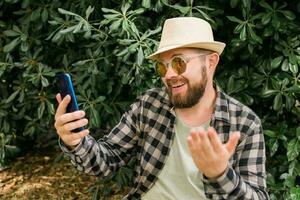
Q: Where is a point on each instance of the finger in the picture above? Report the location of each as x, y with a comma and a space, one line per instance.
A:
62, 107
192, 143
214, 139
76, 124
69, 117
58, 98
232, 142
206, 146
76, 136
194, 138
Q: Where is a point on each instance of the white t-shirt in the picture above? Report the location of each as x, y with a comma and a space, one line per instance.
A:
179, 179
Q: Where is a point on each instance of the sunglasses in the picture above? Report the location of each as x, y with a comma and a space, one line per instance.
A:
178, 64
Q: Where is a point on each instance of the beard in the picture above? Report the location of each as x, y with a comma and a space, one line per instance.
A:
193, 94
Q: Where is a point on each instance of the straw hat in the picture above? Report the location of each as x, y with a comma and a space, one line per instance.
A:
182, 32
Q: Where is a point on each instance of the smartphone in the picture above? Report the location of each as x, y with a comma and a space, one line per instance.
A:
65, 86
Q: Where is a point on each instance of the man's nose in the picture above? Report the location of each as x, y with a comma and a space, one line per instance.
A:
170, 73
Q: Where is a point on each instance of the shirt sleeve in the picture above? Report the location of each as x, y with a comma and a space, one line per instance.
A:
107, 155
246, 178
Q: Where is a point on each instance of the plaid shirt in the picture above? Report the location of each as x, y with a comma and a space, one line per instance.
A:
147, 131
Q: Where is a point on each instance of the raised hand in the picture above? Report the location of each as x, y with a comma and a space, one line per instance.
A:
209, 154
66, 122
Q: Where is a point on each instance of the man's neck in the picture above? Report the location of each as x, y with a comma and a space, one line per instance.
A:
202, 111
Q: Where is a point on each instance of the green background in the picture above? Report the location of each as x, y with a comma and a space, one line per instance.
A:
103, 45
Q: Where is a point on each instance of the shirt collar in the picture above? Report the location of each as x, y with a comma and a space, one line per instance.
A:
221, 108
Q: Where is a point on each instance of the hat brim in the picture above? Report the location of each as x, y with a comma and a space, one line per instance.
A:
213, 46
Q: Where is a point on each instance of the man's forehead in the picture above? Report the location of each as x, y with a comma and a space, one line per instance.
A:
176, 52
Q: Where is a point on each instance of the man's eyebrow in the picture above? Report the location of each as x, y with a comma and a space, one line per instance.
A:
178, 54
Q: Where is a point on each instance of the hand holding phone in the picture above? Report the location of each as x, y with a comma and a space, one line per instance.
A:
65, 86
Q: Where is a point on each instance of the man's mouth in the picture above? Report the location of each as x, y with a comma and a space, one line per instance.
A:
177, 85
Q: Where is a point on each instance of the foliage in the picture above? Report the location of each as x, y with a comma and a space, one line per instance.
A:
103, 45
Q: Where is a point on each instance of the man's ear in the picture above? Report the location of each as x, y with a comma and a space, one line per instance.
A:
213, 61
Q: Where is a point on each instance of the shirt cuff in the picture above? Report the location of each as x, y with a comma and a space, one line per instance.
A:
79, 151
224, 184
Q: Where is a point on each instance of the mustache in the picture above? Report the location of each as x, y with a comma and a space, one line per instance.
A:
174, 80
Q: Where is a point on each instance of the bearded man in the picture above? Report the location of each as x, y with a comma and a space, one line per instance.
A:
191, 140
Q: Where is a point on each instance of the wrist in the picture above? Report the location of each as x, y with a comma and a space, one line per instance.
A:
216, 175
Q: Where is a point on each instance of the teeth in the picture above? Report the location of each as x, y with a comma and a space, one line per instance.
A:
179, 85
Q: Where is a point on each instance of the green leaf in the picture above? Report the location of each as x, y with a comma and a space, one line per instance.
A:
35, 14
267, 93
12, 96
269, 31
146, 3
138, 11
276, 62
265, 5
233, 3
50, 107
294, 88
254, 36
243, 34
6, 126
115, 25
100, 99
266, 19
230, 84
88, 11
270, 133
95, 118
276, 21
294, 168
69, 29
289, 181
41, 109
285, 65
11, 33
277, 105
108, 109
62, 11
288, 14
78, 27
125, 7
24, 46
234, 19
293, 149
45, 81
9, 47
294, 68
106, 10
203, 14
44, 15
273, 146
295, 193
140, 56
182, 9
112, 16
289, 102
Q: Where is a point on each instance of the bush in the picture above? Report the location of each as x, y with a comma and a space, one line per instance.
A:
103, 45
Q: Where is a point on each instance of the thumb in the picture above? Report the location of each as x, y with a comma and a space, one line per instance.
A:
232, 142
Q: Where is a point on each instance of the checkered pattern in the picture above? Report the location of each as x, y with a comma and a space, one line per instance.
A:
147, 131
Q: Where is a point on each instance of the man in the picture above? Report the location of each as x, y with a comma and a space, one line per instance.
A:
191, 140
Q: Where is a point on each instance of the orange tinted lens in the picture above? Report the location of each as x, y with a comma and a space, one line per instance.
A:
161, 69
178, 65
